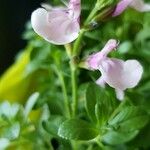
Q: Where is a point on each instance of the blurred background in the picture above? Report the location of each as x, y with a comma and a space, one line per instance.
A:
13, 16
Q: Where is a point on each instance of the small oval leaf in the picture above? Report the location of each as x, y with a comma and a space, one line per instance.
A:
76, 129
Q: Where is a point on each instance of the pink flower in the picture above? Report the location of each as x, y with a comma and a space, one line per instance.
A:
116, 73
138, 5
57, 25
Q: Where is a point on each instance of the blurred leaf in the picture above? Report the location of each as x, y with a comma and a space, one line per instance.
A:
14, 79
12, 132
143, 35
142, 140
8, 110
39, 59
52, 124
53, 100
125, 47
116, 138
129, 119
4, 143
76, 129
30, 103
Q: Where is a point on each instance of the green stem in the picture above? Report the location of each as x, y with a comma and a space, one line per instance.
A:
73, 69
92, 14
68, 50
90, 147
74, 145
99, 143
76, 46
64, 90
74, 88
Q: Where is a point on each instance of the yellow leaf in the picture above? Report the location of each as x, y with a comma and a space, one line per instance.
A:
13, 83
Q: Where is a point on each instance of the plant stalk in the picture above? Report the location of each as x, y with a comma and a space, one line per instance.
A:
74, 89
73, 64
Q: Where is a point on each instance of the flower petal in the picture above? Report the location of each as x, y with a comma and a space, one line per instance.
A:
55, 26
119, 94
39, 20
121, 6
75, 6
132, 73
111, 70
95, 59
121, 75
139, 5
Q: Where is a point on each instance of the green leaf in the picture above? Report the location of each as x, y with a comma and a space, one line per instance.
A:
115, 138
92, 96
129, 119
134, 123
142, 139
52, 125
101, 113
143, 35
76, 129
12, 132
8, 111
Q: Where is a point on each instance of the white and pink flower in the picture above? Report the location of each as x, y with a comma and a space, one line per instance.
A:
138, 5
116, 73
57, 25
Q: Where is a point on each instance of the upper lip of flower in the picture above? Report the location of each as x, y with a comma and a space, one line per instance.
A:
58, 25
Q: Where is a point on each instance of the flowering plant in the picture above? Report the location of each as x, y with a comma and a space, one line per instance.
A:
55, 97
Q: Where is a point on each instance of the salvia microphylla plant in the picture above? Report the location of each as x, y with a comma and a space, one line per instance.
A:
73, 95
